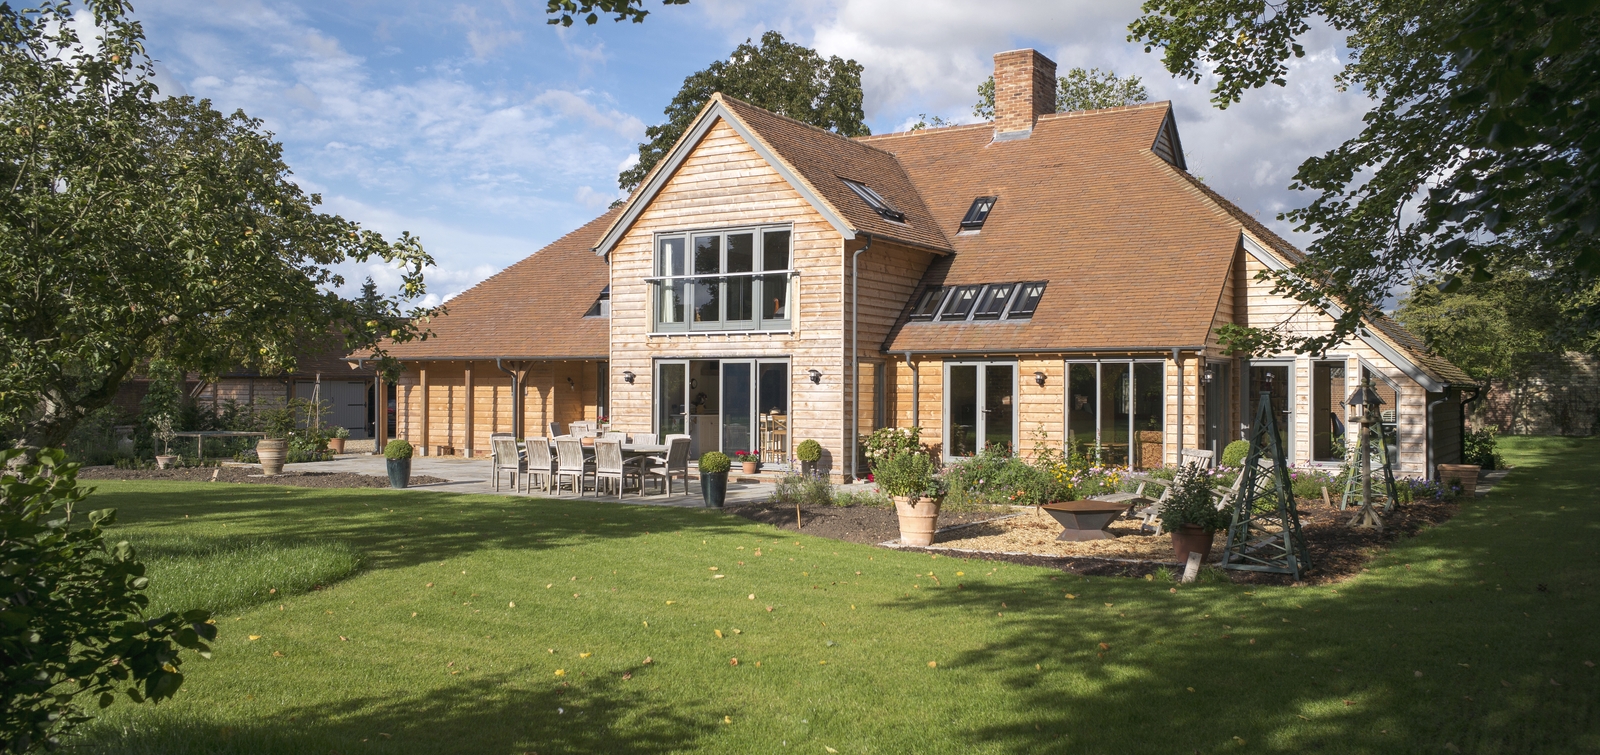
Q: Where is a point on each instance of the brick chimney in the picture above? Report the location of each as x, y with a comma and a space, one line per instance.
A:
1024, 89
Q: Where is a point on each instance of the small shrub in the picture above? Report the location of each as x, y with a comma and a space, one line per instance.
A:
907, 474
808, 450
1480, 447
397, 449
340, 431
1234, 453
888, 441
714, 461
869, 498
802, 490
1189, 502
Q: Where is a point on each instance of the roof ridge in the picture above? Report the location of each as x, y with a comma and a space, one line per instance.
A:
557, 240
929, 130
1104, 110
801, 123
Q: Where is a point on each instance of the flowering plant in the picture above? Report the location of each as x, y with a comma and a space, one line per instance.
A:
744, 456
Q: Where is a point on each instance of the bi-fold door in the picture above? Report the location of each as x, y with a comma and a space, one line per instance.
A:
726, 405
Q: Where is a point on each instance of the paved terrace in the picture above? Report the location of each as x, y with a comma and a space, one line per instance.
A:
472, 476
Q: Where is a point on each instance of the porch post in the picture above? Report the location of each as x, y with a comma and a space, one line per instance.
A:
422, 382
470, 407
380, 428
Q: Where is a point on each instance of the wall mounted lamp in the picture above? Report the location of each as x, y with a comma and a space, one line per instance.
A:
571, 384
1038, 377
816, 377
1208, 375
627, 376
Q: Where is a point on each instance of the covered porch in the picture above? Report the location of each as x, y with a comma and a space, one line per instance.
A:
450, 407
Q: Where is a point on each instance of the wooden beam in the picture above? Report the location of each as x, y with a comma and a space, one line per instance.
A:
422, 382
471, 409
380, 414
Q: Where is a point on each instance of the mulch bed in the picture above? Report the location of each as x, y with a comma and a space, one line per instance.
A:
1337, 550
855, 524
295, 478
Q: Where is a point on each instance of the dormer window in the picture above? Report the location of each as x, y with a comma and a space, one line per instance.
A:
979, 302
602, 304
875, 200
977, 213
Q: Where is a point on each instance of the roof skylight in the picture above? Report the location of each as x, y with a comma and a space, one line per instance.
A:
977, 213
979, 302
875, 200
928, 305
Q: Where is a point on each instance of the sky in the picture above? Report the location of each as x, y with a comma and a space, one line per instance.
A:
489, 133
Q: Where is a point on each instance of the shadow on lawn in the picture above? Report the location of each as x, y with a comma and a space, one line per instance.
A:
398, 529
480, 714
1321, 669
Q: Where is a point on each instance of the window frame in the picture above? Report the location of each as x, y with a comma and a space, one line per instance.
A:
955, 291
874, 200
1017, 298
978, 311
975, 217
723, 281
934, 295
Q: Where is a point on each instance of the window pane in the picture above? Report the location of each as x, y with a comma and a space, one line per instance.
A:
1027, 300
772, 406
993, 301
929, 303
775, 297
1149, 415
670, 400
707, 259
736, 424
670, 258
775, 250
1280, 397
672, 293
963, 410
1081, 410
741, 291
961, 303
1114, 395
998, 407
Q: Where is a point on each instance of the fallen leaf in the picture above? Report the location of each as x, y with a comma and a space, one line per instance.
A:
1172, 590
718, 633
627, 676
430, 584
343, 638
670, 602
712, 568
585, 655
561, 672
1417, 674
933, 664
727, 719
255, 637
737, 632
552, 584
647, 624
276, 654
648, 660
413, 614
1252, 640
1108, 605
769, 609
733, 661
513, 604
1070, 596
273, 591
1104, 646
1505, 683
1349, 702
718, 576
1554, 683
958, 574
1590, 664
752, 596
829, 749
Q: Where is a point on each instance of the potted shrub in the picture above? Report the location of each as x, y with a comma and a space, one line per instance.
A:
340, 435
276, 423
714, 478
1190, 513
398, 457
749, 460
907, 477
164, 433
809, 452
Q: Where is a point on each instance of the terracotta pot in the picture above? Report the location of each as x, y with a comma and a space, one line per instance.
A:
165, 461
750, 467
1463, 475
272, 452
918, 519
336, 445
1192, 537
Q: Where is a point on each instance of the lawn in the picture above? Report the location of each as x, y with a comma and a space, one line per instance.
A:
509, 625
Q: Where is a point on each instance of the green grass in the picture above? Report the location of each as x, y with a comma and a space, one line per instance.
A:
1471, 637
223, 573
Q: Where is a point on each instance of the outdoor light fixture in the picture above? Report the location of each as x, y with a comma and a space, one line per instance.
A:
816, 377
1209, 374
627, 377
571, 384
1038, 377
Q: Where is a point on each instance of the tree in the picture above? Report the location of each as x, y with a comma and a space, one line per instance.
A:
1504, 328
72, 622
1481, 152
785, 78
1080, 89
135, 227
565, 11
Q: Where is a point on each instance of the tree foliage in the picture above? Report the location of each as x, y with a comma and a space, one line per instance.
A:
136, 227
1501, 329
72, 622
1080, 89
1481, 153
564, 12
785, 78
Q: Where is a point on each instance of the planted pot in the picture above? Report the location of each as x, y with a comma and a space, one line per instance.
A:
1464, 476
714, 488
1192, 538
808, 468
272, 452
336, 445
750, 467
399, 472
166, 461
918, 519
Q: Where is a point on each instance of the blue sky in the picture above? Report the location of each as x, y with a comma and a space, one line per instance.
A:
490, 134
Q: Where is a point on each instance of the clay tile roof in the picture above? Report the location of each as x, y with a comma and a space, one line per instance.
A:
822, 157
1132, 258
531, 310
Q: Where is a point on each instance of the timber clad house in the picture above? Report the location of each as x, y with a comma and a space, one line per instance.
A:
1046, 275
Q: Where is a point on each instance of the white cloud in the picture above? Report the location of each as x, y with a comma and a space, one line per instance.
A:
485, 36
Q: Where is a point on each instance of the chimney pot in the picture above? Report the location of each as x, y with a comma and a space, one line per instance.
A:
1024, 89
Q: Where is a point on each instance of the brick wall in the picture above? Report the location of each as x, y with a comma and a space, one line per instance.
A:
1024, 89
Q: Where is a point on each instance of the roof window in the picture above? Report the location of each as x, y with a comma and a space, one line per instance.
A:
993, 302
875, 200
928, 305
977, 213
602, 304
1026, 300
960, 304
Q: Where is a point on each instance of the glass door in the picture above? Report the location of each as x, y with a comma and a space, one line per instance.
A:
672, 399
737, 424
1116, 413
1217, 393
772, 411
1275, 380
980, 408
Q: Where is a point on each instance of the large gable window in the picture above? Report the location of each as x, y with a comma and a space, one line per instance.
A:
729, 280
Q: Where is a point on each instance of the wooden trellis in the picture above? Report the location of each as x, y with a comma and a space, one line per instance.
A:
1265, 534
